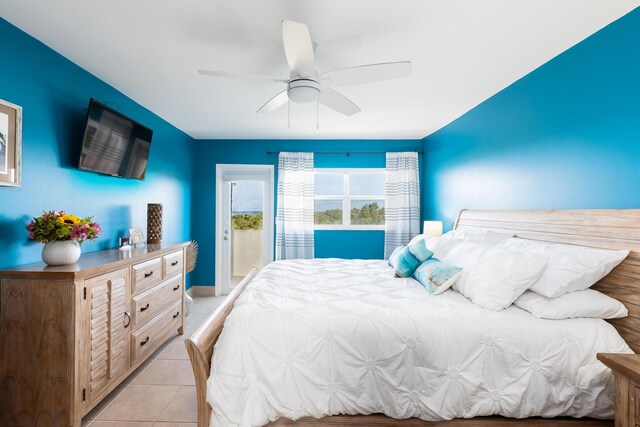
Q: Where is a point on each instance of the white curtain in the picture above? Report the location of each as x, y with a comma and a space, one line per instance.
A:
294, 215
402, 200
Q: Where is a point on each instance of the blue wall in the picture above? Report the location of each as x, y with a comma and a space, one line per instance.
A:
565, 136
54, 94
343, 244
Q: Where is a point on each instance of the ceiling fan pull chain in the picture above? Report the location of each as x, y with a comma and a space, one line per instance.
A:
289, 114
318, 114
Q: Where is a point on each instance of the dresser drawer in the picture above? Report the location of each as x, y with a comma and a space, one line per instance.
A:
146, 275
147, 304
172, 264
148, 337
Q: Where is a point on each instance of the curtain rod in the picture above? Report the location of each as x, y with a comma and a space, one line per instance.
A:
348, 153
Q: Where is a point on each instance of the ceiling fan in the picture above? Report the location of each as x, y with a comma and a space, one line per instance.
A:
305, 84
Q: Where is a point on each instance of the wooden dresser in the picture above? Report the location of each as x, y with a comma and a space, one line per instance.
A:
70, 334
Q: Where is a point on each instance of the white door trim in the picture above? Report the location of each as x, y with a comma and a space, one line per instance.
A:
269, 214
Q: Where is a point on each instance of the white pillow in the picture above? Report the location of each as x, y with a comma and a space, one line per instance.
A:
484, 237
570, 268
421, 237
587, 303
494, 277
440, 246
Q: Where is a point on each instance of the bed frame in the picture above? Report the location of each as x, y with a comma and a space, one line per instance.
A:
606, 228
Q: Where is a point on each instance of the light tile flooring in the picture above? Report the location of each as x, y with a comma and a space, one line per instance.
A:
161, 392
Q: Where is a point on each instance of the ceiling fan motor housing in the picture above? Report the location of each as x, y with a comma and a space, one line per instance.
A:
303, 90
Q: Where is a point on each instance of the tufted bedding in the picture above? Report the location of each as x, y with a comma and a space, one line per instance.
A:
331, 336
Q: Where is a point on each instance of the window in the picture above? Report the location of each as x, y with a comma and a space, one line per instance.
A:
349, 199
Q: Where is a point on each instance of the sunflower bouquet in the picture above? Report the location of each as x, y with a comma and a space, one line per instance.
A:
53, 226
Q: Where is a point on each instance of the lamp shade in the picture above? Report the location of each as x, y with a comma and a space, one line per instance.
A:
432, 228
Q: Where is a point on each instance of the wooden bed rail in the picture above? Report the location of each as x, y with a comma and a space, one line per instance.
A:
200, 347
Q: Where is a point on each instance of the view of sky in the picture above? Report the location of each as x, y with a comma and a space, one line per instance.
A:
247, 196
360, 184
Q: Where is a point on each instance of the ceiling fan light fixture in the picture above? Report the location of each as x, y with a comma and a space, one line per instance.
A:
303, 91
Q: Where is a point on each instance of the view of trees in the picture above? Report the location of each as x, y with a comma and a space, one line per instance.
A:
247, 221
369, 214
328, 217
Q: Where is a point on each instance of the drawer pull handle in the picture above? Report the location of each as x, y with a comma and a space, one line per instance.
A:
128, 317
149, 274
176, 315
176, 288
174, 263
144, 308
144, 342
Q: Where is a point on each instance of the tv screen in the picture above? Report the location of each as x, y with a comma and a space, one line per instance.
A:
114, 144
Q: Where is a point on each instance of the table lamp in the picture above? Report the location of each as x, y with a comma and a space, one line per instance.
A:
432, 228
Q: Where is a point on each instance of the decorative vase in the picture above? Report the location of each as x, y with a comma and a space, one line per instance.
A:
61, 252
154, 223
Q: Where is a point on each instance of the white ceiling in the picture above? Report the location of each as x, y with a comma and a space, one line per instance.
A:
463, 52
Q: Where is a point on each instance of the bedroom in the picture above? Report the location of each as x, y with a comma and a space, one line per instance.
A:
521, 115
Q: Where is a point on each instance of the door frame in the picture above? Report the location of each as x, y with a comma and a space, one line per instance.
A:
268, 222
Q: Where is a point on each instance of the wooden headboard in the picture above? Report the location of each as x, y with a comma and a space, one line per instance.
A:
598, 228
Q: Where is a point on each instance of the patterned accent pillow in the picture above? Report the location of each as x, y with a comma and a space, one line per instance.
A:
403, 261
419, 250
437, 276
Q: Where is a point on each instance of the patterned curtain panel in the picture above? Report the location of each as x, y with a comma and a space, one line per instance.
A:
402, 201
294, 216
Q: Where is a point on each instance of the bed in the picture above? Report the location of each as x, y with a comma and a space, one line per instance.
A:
292, 320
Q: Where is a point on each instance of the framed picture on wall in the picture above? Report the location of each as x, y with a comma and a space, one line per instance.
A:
10, 144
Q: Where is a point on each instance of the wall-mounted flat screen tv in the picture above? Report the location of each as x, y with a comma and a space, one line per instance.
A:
113, 144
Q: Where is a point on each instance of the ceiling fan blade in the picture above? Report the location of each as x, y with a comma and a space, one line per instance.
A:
338, 102
367, 73
331, 48
244, 76
275, 102
298, 48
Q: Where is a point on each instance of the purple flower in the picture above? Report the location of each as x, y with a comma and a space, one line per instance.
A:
96, 228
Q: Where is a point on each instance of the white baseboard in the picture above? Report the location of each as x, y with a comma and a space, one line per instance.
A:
201, 291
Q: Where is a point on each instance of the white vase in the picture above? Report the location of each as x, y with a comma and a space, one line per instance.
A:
62, 252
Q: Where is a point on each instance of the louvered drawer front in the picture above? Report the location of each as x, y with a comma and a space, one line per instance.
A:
172, 264
146, 275
99, 338
146, 305
107, 352
148, 337
119, 360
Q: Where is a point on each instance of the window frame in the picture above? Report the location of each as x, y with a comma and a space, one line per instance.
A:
346, 198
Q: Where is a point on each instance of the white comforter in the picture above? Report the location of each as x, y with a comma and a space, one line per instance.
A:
330, 336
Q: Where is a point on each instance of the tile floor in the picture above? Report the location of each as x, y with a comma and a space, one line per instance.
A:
161, 392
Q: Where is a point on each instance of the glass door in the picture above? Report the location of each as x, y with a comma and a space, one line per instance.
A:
245, 237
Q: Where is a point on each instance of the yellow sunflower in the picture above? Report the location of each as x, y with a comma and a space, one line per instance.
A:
69, 219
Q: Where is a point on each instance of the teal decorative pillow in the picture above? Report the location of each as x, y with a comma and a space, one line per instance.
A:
436, 276
393, 259
404, 262
419, 250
